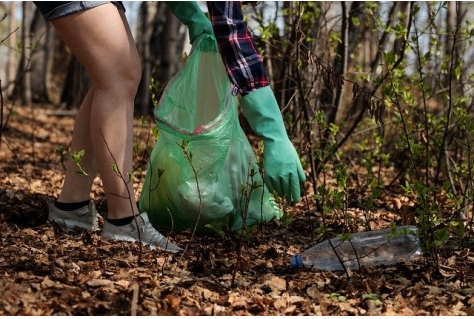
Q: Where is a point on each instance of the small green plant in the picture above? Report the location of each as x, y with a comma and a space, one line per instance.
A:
335, 296
322, 230
76, 156
184, 145
286, 219
61, 151
441, 237
219, 227
249, 232
459, 229
374, 297
246, 191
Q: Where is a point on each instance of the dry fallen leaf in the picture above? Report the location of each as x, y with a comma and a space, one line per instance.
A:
99, 282
48, 283
123, 283
45, 271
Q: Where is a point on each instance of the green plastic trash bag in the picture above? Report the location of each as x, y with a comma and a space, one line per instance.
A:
202, 159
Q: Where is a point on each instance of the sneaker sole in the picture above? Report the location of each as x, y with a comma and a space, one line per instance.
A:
132, 240
120, 237
70, 224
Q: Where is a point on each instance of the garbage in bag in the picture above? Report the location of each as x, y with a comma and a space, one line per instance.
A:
202, 159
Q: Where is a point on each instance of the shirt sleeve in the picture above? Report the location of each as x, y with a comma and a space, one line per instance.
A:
242, 61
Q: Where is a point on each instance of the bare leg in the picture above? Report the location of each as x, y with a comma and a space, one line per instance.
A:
77, 187
101, 40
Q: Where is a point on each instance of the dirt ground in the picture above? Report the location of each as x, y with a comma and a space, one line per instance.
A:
45, 271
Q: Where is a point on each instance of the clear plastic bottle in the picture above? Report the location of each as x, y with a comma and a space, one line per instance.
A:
370, 248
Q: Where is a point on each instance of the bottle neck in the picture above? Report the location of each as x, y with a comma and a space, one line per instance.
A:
296, 261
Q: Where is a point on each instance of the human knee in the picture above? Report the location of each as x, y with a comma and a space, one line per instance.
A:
131, 78
122, 79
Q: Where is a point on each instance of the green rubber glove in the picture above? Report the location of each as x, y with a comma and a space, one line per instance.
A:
189, 13
283, 172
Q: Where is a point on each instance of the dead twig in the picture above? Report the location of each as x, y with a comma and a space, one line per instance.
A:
4, 39
119, 173
134, 306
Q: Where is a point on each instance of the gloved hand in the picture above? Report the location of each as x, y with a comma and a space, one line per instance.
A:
189, 13
283, 172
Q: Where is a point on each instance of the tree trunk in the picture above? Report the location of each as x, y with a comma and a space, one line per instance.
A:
450, 27
160, 43
76, 86
12, 56
23, 85
340, 66
170, 45
41, 58
147, 15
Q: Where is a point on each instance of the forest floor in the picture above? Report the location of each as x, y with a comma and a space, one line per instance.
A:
45, 271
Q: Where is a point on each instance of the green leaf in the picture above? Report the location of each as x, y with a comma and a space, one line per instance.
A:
115, 168
389, 58
441, 236
76, 156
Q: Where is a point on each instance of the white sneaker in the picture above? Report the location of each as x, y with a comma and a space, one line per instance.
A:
148, 234
85, 217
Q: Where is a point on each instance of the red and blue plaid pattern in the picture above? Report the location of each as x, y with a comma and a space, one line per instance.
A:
243, 63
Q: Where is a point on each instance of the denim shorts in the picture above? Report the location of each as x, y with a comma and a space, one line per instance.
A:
57, 9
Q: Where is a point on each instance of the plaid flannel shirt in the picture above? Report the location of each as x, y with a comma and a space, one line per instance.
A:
242, 61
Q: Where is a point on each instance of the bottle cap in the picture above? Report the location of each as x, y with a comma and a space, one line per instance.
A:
296, 262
